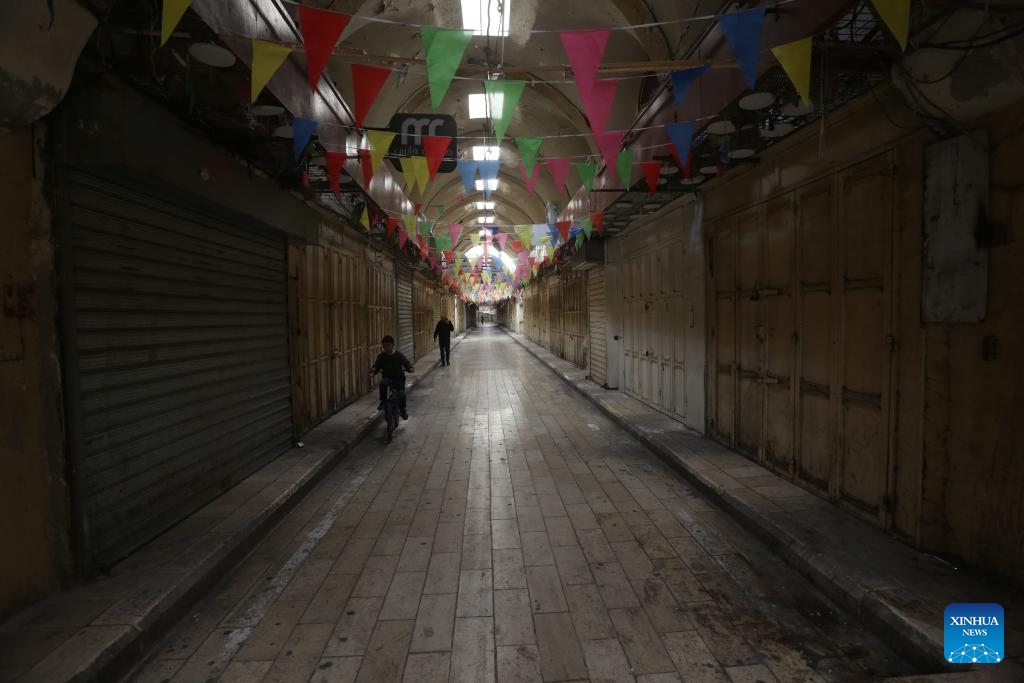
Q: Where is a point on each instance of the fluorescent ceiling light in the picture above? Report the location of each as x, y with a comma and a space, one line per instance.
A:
491, 185
485, 219
486, 153
480, 107
485, 206
486, 17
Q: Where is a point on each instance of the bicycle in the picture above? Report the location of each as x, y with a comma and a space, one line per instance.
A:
390, 408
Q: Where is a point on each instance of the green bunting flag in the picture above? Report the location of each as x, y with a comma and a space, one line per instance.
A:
579, 240
528, 149
444, 48
587, 172
624, 167
503, 98
588, 227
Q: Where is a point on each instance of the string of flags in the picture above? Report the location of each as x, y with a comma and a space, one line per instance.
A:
444, 49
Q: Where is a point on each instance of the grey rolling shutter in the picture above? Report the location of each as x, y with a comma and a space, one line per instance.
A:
406, 334
180, 349
598, 343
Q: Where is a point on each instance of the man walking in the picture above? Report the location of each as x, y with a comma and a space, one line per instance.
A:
443, 334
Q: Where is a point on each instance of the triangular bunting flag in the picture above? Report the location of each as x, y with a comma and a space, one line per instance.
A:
474, 237
435, 146
502, 238
525, 234
503, 98
530, 179
454, 230
598, 103
364, 220
588, 227
559, 168
403, 237
742, 30
380, 143
681, 135
467, 169
624, 167
609, 143
681, 81
392, 224
488, 173
366, 163
795, 59
651, 170
587, 171
528, 150
444, 48
173, 10
320, 32
302, 131
416, 173
267, 58
579, 240
584, 50
335, 160
896, 15
367, 82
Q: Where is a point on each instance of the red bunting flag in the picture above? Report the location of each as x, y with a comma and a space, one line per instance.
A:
366, 162
367, 81
563, 229
651, 170
392, 224
434, 146
597, 220
335, 160
403, 236
320, 32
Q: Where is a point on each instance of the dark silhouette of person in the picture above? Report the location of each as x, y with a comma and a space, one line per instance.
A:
443, 334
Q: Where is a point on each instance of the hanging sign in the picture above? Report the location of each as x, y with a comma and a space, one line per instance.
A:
409, 131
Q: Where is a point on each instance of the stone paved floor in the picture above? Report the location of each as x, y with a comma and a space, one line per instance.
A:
512, 532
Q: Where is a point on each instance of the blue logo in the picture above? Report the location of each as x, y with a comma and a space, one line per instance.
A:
974, 633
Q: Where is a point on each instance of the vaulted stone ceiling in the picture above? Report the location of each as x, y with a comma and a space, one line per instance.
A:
550, 104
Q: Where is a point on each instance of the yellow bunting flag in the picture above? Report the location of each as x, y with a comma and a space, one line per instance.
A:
525, 234
795, 59
267, 58
365, 218
896, 15
410, 224
173, 11
380, 143
417, 173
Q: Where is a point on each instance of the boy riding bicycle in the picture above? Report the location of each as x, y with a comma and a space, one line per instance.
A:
392, 366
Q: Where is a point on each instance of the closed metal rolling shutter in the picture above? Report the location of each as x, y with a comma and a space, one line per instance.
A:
437, 310
181, 382
598, 343
406, 333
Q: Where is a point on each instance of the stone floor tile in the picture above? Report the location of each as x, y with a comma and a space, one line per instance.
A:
518, 664
300, 655
376, 577
589, 615
473, 651
545, 589
270, 635
504, 534
561, 657
753, 673
572, 565
329, 601
387, 652
443, 575
509, 571
352, 632
476, 551
427, 667
416, 554
640, 641
475, 593
403, 598
665, 613
561, 531
336, 670
536, 548
513, 623
606, 662
435, 622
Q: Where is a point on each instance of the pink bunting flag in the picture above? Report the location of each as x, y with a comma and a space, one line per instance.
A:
530, 180
609, 143
320, 32
403, 237
502, 238
434, 146
559, 167
651, 170
585, 50
598, 104
454, 229
367, 82
335, 160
